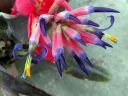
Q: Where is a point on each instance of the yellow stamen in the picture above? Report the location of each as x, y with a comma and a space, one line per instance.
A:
112, 38
28, 66
28, 73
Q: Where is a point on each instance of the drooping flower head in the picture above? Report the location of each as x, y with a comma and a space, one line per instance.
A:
70, 28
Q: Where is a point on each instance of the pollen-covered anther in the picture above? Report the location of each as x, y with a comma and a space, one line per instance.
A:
112, 38
28, 74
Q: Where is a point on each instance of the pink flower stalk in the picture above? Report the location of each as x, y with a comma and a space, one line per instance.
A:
69, 29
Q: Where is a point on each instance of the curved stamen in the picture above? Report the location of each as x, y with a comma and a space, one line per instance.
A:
112, 20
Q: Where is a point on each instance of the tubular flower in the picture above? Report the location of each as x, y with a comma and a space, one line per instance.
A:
70, 28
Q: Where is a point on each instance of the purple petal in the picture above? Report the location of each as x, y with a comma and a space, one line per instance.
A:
59, 51
99, 34
74, 19
103, 44
43, 26
78, 38
58, 65
84, 57
80, 63
104, 9
86, 21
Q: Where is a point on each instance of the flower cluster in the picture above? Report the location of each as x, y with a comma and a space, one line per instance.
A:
70, 29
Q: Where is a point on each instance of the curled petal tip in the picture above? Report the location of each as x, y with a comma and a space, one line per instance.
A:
112, 20
104, 9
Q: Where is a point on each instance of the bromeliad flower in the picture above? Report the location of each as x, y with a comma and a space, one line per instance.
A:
69, 29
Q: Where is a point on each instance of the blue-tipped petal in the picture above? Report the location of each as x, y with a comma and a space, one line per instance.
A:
106, 44
88, 62
92, 23
59, 51
99, 34
104, 9
78, 38
41, 55
74, 19
43, 26
58, 65
86, 21
62, 59
103, 44
81, 65
86, 59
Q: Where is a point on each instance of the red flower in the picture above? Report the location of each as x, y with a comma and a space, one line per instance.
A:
68, 30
